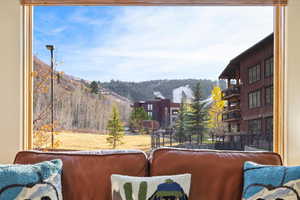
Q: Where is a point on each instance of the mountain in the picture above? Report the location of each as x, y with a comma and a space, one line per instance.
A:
141, 91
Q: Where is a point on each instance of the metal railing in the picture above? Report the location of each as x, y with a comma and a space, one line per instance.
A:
245, 141
234, 115
228, 109
228, 141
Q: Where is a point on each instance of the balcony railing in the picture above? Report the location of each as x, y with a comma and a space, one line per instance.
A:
226, 141
231, 116
232, 91
245, 141
228, 109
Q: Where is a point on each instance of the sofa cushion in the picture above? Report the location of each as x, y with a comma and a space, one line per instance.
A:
215, 174
86, 175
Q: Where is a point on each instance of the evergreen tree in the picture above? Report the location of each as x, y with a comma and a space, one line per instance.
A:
94, 87
181, 126
198, 114
138, 115
115, 128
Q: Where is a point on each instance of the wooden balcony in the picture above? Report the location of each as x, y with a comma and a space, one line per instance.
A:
233, 115
232, 91
228, 109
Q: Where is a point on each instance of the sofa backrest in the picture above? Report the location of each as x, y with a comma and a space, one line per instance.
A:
216, 175
86, 175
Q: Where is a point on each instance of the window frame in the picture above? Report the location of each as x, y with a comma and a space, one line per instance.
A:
260, 125
271, 69
271, 95
160, 2
279, 131
257, 70
266, 123
256, 98
149, 106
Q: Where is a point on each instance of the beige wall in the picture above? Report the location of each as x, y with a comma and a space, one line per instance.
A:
10, 80
292, 86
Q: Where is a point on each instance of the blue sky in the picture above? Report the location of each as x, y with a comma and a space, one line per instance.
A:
147, 43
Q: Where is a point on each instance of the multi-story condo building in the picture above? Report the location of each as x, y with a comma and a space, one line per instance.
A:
161, 110
249, 92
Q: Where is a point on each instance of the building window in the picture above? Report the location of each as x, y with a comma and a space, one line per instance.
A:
254, 99
150, 115
269, 125
269, 63
150, 107
254, 74
254, 126
269, 95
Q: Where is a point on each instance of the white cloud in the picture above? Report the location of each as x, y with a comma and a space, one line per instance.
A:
59, 30
142, 43
82, 16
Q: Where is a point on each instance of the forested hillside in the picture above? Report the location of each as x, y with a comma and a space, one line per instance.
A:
138, 91
76, 108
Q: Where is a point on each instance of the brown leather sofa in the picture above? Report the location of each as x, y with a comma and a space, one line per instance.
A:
216, 175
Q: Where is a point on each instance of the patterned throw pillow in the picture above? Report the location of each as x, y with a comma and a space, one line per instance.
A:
264, 182
175, 187
40, 181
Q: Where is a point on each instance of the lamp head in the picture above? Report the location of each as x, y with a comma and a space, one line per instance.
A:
50, 47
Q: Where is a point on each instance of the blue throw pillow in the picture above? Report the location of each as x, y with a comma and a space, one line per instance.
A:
265, 182
40, 181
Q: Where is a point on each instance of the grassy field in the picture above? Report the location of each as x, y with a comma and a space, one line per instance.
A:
85, 141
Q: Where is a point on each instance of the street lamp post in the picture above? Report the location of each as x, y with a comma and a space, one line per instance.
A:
51, 49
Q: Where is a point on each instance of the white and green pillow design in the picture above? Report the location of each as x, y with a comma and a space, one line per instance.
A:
175, 187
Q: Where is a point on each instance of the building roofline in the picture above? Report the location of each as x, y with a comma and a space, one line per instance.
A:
235, 61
